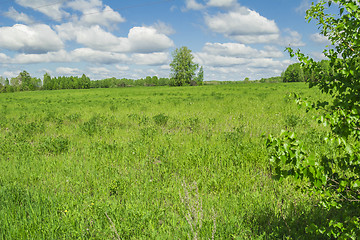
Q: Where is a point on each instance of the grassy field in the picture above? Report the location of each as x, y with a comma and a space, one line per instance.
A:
151, 163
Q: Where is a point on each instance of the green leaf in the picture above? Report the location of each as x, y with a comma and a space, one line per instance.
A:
283, 159
356, 184
352, 7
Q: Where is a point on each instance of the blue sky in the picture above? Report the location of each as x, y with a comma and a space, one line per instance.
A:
231, 39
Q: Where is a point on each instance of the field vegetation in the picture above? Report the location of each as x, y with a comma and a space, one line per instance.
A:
220, 161
152, 163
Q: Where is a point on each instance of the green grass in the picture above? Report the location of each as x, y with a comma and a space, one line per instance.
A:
151, 163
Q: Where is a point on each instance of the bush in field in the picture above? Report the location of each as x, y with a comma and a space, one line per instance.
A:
161, 119
334, 177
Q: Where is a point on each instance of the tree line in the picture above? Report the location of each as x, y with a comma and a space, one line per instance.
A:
183, 72
180, 76
57, 83
24, 82
125, 82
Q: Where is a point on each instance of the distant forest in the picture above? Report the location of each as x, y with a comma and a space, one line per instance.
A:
24, 82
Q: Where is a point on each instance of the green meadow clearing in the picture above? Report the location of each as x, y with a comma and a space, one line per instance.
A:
152, 163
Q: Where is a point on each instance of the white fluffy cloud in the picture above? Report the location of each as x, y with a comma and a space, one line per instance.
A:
163, 28
68, 71
106, 17
122, 68
91, 56
17, 16
255, 69
139, 39
207, 59
291, 38
246, 26
99, 70
243, 25
235, 61
52, 10
253, 39
4, 58
94, 12
265, 63
318, 38
93, 37
30, 39
241, 51
193, 5
84, 5
148, 40
95, 56
100, 73
77, 55
222, 3
59, 56
271, 52
230, 49
11, 74
153, 59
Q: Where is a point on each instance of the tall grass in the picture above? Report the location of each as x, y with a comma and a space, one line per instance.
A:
150, 163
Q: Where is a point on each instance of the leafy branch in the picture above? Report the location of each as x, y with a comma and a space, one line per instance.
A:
336, 176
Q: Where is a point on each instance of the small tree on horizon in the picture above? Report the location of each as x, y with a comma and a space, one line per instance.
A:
182, 67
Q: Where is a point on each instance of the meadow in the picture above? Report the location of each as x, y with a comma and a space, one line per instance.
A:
152, 163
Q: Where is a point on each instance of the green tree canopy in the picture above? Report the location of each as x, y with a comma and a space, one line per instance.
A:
294, 73
182, 67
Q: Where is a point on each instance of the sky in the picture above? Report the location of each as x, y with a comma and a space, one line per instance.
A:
231, 39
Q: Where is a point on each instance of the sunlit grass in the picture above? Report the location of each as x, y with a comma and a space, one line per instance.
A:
136, 163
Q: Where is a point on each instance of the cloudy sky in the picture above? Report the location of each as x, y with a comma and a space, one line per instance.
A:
231, 39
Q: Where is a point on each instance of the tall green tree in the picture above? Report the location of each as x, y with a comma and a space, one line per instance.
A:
85, 82
333, 176
25, 81
182, 67
47, 82
200, 76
